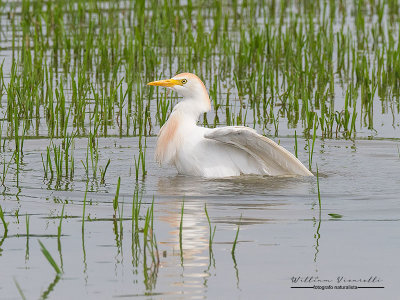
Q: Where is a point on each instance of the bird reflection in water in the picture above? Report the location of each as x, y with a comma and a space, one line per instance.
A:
255, 196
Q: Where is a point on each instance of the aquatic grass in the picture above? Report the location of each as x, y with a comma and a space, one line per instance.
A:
6, 166
181, 222
85, 163
2, 85
118, 230
1, 132
140, 163
212, 230
45, 166
298, 71
236, 237
16, 214
93, 147
163, 105
136, 205
116, 197
60, 163
318, 235
148, 231
103, 171
264, 65
319, 193
335, 216
84, 209
50, 288
150, 272
27, 218
27, 224
152, 213
68, 146
311, 147
60, 223
83, 251
181, 231
59, 228
156, 250
5, 224
50, 259
21, 293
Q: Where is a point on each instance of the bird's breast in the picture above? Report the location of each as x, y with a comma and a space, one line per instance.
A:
168, 140
177, 133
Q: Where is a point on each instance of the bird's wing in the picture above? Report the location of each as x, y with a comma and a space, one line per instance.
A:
275, 159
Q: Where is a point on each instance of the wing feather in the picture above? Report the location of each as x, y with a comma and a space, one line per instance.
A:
275, 159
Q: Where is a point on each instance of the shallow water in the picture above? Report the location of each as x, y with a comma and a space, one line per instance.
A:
282, 234
285, 234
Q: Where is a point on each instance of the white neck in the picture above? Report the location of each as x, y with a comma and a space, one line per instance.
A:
188, 111
192, 108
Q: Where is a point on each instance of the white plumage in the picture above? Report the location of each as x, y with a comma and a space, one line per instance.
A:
220, 152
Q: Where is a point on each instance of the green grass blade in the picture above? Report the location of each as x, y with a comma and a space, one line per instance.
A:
236, 237
21, 293
49, 258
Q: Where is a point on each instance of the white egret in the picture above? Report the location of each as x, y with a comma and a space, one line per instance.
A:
219, 152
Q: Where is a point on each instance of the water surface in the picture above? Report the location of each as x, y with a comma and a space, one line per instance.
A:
282, 233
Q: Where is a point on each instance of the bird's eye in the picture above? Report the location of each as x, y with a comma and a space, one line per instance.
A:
183, 81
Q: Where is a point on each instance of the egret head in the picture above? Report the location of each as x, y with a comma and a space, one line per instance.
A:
188, 85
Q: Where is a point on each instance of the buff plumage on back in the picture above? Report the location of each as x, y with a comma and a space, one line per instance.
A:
167, 141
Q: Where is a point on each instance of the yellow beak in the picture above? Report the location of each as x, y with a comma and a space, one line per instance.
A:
166, 82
